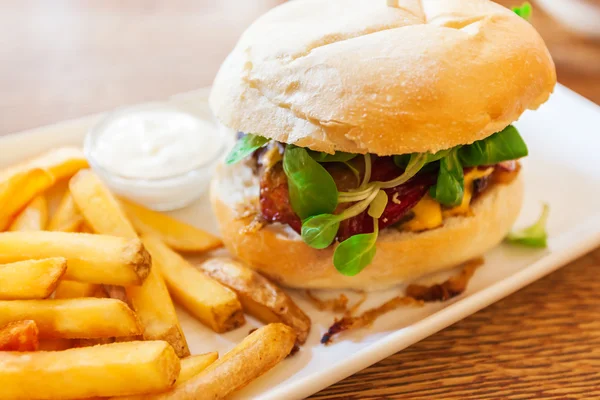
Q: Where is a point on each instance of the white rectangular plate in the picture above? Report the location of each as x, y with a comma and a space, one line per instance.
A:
562, 170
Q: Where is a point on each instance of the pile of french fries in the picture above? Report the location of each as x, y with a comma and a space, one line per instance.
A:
87, 295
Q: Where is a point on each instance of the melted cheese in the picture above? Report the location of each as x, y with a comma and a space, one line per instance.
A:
465, 207
270, 157
428, 215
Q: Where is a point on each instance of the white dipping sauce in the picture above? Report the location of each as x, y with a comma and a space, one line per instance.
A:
155, 154
155, 144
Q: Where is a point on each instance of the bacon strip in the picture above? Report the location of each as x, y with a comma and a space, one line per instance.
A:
275, 198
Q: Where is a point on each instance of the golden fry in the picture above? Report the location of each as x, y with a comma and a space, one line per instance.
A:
20, 183
193, 365
175, 234
105, 370
19, 336
85, 228
31, 279
190, 367
212, 303
156, 312
67, 217
255, 355
90, 258
260, 297
62, 162
73, 318
98, 206
33, 218
151, 301
75, 290
18, 190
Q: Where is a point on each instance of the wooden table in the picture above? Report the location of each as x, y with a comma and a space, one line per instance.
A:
64, 59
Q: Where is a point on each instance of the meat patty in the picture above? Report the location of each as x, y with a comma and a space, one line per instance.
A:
276, 207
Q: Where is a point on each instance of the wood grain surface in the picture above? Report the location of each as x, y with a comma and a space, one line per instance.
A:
64, 59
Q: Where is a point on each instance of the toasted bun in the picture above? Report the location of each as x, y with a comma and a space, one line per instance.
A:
278, 252
361, 76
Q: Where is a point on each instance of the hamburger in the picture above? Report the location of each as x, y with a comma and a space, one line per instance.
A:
375, 142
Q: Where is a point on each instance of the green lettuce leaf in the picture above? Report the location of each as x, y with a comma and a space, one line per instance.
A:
312, 189
450, 186
247, 145
319, 231
338, 156
524, 10
534, 235
355, 253
501, 146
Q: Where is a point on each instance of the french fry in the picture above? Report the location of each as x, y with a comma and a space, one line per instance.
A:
73, 318
31, 279
212, 303
190, 367
62, 162
20, 189
33, 218
75, 290
193, 365
175, 234
19, 336
156, 312
98, 206
260, 297
67, 217
255, 355
105, 370
24, 181
90, 258
151, 301
85, 228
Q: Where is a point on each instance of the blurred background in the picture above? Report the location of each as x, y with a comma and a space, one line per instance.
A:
63, 59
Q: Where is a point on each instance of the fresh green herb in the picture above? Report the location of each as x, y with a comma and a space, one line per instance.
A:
368, 170
356, 252
312, 189
244, 147
534, 235
438, 156
450, 185
414, 165
403, 160
360, 206
319, 231
378, 204
338, 156
524, 11
354, 171
501, 146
